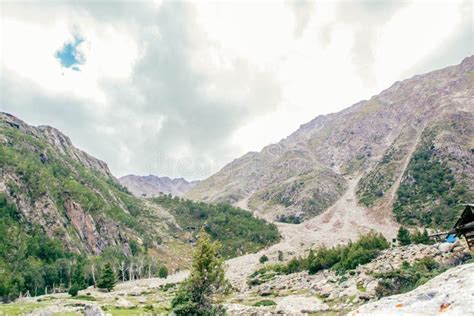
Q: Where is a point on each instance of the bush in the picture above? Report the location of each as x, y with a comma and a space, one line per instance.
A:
263, 259
419, 237
73, 290
163, 272
347, 257
407, 277
403, 236
340, 258
265, 303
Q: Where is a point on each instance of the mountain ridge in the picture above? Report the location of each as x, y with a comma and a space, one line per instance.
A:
152, 185
303, 174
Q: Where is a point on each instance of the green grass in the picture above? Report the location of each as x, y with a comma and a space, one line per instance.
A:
18, 308
265, 303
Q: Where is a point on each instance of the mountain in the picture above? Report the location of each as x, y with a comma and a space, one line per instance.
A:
73, 196
410, 149
63, 216
150, 186
64, 193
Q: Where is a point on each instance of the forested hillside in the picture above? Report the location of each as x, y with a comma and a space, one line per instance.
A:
64, 216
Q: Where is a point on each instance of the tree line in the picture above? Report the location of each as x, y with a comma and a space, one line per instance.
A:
33, 264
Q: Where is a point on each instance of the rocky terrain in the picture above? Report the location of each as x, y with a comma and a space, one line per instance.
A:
73, 196
295, 294
447, 294
380, 141
151, 186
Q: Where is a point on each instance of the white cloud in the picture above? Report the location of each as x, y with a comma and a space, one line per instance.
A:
182, 88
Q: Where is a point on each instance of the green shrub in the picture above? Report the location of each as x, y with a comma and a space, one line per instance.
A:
263, 259
340, 258
73, 290
265, 303
403, 236
349, 256
163, 272
407, 277
419, 237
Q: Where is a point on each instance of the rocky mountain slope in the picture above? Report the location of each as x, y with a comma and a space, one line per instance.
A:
71, 195
54, 189
416, 130
151, 186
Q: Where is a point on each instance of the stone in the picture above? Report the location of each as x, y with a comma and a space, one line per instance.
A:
93, 310
123, 303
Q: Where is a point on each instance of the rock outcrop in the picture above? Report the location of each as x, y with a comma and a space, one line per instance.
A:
450, 293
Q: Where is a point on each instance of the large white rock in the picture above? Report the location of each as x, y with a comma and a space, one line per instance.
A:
451, 293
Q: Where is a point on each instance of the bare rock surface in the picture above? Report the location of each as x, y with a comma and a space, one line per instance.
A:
150, 186
451, 293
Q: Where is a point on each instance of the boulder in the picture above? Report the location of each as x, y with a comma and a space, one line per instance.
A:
93, 310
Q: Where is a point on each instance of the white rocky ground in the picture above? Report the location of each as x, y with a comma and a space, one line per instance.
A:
294, 294
451, 293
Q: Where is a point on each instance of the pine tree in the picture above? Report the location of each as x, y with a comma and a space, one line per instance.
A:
163, 272
194, 297
403, 236
78, 277
107, 278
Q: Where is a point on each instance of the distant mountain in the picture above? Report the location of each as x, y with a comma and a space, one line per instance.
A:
410, 148
151, 185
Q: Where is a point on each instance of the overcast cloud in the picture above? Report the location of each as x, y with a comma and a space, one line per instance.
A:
181, 88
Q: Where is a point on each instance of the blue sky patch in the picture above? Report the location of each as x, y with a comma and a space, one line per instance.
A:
68, 56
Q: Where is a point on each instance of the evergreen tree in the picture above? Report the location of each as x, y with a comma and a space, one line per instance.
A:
263, 259
421, 237
194, 296
107, 278
403, 236
78, 277
163, 272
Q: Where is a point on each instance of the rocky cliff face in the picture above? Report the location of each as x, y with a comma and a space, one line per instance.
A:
72, 195
150, 186
376, 140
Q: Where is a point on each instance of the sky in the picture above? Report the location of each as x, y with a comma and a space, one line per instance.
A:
181, 88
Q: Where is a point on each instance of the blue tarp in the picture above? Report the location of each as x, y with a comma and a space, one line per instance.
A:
451, 238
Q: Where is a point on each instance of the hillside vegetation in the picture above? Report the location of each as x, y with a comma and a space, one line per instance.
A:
436, 181
237, 230
64, 217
